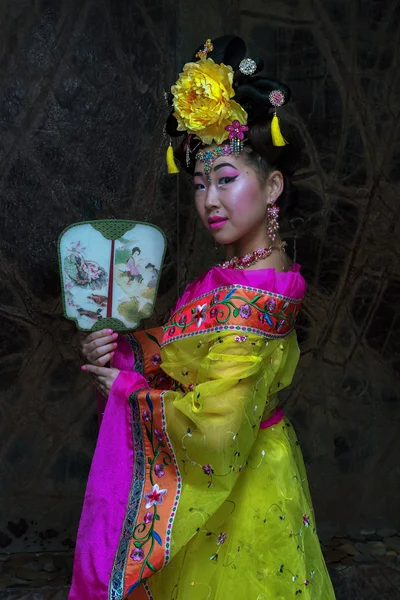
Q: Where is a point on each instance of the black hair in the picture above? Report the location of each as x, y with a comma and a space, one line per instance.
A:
252, 93
135, 249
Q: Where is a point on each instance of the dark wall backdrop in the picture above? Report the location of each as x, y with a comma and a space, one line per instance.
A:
81, 118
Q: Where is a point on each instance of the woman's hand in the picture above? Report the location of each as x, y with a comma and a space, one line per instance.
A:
98, 347
102, 377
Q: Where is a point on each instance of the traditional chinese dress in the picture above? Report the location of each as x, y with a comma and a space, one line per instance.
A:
197, 489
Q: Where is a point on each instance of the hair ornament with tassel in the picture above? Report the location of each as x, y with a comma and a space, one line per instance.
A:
277, 99
171, 164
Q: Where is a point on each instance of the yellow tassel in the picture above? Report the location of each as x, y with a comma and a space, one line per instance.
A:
171, 164
277, 137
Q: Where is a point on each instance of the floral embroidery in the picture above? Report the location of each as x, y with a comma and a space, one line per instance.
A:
306, 582
215, 299
159, 471
137, 555
221, 538
240, 338
232, 308
158, 434
156, 496
245, 311
279, 325
148, 517
306, 520
200, 314
208, 470
156, 359
144, 534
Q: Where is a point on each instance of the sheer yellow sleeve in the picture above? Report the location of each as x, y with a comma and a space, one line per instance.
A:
230, 383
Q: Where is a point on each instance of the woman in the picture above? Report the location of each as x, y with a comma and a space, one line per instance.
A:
133, 270
154, 276
198, 488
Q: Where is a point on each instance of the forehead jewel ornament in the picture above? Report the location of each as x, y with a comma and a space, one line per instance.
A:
207, 157
277, 99
248, 66
236, 136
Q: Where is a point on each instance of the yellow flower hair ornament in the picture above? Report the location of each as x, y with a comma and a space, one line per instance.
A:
203, 100
212, 95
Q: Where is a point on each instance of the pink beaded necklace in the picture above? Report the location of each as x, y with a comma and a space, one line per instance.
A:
242, 262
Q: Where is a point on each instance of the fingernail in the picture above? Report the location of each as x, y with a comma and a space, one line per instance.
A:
109, 330
84, 368
115, 345
112, 353
115, 335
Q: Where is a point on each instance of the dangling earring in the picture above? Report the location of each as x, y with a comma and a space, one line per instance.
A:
273, 225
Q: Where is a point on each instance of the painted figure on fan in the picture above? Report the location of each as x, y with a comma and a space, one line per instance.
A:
133, 269
198, 488
154, 277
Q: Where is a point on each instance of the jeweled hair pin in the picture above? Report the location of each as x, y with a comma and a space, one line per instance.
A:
277, 99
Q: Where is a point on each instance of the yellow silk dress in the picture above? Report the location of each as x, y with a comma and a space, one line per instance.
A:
248, 528
198, 489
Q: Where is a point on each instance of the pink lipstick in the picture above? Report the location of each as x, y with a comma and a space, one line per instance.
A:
216, 222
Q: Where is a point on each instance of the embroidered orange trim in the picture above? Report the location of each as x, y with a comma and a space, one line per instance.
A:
230, 308
149, 547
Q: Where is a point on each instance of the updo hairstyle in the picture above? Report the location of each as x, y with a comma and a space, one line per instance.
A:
252, 93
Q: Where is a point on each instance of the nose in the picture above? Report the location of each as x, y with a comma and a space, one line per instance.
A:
212, 200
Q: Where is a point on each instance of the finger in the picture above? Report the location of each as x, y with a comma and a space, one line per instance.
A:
100, 342
95, 354
95, 335
100, 347
93, 370
97, 343
90, 342
103, 360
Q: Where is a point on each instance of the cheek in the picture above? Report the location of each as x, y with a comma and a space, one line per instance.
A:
246, 201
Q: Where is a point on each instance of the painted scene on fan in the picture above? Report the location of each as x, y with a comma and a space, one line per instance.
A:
105, 278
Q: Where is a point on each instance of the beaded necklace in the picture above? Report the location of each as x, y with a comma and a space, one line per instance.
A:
242, 262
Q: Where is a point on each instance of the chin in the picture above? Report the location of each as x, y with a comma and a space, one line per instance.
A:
225, 239
222, 240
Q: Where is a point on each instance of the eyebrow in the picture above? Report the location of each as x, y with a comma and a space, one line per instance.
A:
198, 174
224, 165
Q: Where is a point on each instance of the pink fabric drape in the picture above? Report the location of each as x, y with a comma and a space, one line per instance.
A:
105, 505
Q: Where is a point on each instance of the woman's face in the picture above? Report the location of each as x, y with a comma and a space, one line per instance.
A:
233, 205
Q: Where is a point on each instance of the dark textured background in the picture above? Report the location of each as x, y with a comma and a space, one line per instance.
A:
81, 117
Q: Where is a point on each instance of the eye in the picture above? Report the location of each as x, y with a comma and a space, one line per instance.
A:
226, 180
198, 186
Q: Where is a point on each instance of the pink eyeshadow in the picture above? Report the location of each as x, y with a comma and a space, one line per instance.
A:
227, 172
